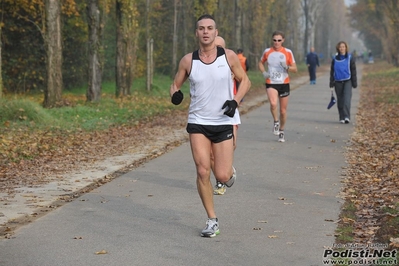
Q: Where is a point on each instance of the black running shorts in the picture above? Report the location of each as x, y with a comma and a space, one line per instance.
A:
283, 89
215, 134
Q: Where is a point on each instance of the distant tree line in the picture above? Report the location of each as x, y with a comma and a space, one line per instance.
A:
378, 25
53, 45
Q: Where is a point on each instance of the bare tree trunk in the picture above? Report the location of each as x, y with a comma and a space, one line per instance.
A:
53, 91
95, 69
238, 26
126, 38
1, 73
305, 7
148, 26
120, 72
185, 23
174, 49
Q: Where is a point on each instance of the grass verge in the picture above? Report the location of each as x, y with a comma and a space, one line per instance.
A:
370, 213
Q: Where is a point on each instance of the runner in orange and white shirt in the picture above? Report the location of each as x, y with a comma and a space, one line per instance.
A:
244, 64
280, 61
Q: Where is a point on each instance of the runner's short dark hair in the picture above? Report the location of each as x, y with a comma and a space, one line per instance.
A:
205, 16
278, 32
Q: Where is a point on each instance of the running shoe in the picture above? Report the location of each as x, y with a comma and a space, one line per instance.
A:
347, 120
220, 188
211, 229
281, 137
232, 179
342, 121
276, 128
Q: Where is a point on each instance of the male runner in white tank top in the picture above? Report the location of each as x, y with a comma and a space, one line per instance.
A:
212, 112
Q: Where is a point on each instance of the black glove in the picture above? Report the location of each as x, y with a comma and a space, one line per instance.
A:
231, 107
177, 97
354, 85
332, 84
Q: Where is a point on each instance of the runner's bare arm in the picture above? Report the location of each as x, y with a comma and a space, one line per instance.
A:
261, 66
182, 74
293, 68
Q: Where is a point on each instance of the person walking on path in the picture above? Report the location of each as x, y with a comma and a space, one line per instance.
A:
312, 61
343, 78
280, 61
212, 112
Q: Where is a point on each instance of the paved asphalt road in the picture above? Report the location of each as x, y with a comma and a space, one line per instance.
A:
280, 212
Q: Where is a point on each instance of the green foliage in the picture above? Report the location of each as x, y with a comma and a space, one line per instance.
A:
23, 55
345, 234
204, 7
246, 24
24, 111
75, 56
345, 230
20, 112
390, 210
256, 79
388, 88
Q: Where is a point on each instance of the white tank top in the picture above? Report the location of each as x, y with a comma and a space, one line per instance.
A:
210, 86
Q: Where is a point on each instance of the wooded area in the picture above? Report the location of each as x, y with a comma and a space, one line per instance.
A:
51, 46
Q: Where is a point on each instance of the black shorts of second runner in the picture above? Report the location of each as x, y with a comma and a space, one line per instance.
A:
215, 134
283, 89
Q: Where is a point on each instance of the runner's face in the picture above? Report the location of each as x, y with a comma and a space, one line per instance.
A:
342, 48
206, 31
278, 41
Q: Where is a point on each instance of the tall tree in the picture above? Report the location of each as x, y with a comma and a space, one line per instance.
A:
1, 73
175, 38
204, 7
95, 17
126, 42
368, 19
149, 46
53, 42
391, 21
312, 10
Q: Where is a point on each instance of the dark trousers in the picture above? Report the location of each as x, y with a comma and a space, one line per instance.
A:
312, 72
343, 89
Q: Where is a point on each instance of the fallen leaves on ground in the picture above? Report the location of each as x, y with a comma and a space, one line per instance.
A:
371, 180
57, 153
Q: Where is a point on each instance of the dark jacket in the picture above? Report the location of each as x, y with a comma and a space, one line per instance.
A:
351, 69
312, 59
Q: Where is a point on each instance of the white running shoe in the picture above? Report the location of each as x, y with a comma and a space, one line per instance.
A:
211, 229
281, 137
232, 179
220, 188
276, 128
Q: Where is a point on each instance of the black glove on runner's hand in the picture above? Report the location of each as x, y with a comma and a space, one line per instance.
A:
231, 107
177, 97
